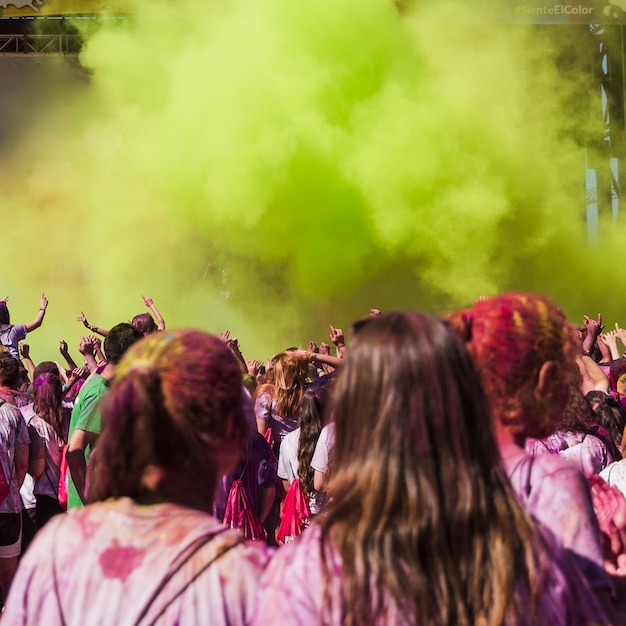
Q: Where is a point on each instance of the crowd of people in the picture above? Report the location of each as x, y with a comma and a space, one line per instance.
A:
458, 470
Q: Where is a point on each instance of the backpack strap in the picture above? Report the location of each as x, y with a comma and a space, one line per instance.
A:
169, 580
528, 486
145, 617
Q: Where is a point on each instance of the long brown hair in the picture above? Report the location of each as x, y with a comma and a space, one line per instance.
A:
176, 404
311, 415
288, 381
423, 517
48, 402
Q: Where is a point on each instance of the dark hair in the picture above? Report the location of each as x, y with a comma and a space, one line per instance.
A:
145, 323
175, 404
312, 410
119, 339
48, 402
424, 515
5, 316
9, 371
577, 415
610, 414
45, 367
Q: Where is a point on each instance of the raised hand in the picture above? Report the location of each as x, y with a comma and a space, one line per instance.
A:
148, 302
610, 506
336, 336
83, 319
86, 345
254, 367
593, 329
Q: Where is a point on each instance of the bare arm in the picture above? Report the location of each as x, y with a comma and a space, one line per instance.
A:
28, 362
85, 347
36, 323
36, 467
21, 463
609, 340
65, 353
326, 359
160, 322
75, 457
337, 337
593, 378
319, 481
93, 328
266, 502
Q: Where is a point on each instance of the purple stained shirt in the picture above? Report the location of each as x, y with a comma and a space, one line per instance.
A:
586, 451
104, 564
292, 592
256, 470
557, 495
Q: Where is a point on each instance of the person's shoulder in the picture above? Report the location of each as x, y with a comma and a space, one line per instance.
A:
94, 385
255, 554
9, 411
328, 432
291, 439
553, 463
615, 472
28, 411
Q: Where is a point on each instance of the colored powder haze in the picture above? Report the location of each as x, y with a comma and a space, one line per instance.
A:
274, 166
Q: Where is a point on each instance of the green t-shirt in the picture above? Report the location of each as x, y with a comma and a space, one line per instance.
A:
86, 416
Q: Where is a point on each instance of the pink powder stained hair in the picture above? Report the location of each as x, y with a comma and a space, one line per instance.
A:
145, 323
510, 337
176, 404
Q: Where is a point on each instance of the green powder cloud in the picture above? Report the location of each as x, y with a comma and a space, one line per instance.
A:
271, 167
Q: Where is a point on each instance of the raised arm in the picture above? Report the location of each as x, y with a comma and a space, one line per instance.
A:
325, 359
65, 353
233, 346
160, 322
36, 323
28, 362
592, 330
621, 334
93, 328
337, 337
610, 341
593, 378
85, 347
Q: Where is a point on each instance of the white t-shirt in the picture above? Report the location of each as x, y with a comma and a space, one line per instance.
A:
323, 448
288, 457
288, 468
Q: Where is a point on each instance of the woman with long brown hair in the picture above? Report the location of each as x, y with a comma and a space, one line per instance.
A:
48, 423
423, 527
277, 402
297, 447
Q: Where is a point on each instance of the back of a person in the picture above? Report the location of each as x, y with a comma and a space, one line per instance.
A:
295, 576
556, 494
48, 482
588, 453
112, 563
145, 549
